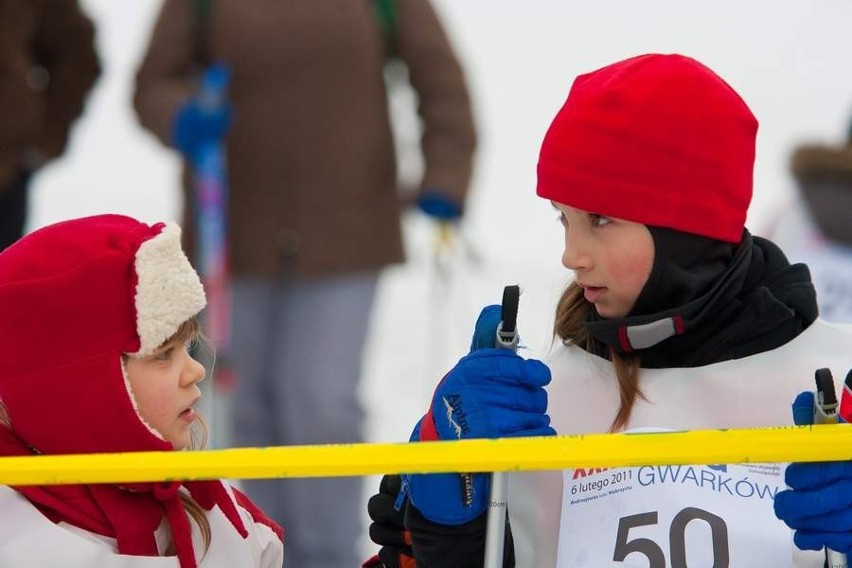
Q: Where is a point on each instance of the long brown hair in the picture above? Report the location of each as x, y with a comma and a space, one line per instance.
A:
197, 441
571, 311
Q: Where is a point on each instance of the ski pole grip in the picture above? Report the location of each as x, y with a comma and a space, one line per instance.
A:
507, 331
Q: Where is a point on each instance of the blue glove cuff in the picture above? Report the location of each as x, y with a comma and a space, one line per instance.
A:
440, 496
438, 205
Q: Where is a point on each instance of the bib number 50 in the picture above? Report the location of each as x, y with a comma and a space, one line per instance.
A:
677, 538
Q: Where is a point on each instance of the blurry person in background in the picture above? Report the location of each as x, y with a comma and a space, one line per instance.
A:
48, 65
817, 227
313, 212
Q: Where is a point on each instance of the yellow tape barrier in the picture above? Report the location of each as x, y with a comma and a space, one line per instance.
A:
782, 444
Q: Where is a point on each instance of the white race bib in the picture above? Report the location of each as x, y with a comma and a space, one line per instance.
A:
680, 516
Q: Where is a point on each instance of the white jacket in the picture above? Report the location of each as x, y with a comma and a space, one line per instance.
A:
754, 391
29, 540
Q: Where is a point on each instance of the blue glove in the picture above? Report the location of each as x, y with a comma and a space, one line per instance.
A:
438, 205
490, 393
819, 504
207, 116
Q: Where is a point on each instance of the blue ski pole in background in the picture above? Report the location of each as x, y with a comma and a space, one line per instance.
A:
211, 208
507, 338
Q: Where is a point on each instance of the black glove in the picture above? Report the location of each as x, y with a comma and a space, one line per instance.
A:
387, 529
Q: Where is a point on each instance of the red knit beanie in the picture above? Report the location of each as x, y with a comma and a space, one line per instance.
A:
74, 297
655, 139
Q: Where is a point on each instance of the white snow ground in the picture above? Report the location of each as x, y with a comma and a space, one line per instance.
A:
789, 60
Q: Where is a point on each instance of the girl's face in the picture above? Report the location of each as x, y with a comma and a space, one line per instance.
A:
165, 386
611, 258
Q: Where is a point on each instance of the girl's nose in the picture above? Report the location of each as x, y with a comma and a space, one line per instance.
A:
575, 256
193, 371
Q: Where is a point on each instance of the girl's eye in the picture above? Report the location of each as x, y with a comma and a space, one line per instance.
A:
560, 218
599, 220
165, 354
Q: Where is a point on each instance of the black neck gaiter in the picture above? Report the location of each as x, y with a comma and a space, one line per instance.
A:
685, 267
707, 301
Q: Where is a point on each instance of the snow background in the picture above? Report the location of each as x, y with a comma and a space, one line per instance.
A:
787, 58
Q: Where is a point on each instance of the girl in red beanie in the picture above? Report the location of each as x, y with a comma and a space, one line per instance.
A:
97, 317
677, 319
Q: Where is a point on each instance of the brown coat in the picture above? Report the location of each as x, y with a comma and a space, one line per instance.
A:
312, 169
47, 66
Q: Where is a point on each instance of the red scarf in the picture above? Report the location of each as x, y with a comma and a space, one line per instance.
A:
128, 513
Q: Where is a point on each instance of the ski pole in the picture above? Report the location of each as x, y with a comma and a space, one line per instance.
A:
825, 412
211, 195
507, 338
211, 210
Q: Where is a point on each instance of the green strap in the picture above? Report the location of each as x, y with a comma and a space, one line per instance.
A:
202, 8
386, 15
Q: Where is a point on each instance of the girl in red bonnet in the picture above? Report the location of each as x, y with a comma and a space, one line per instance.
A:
98, 315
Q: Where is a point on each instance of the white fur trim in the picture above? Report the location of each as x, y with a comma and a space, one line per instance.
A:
133, 401
169, 291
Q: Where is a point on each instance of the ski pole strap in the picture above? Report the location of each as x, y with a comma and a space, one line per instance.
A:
507, 331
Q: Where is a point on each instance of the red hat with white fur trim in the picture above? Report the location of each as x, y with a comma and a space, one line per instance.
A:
655, 139
74, 297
